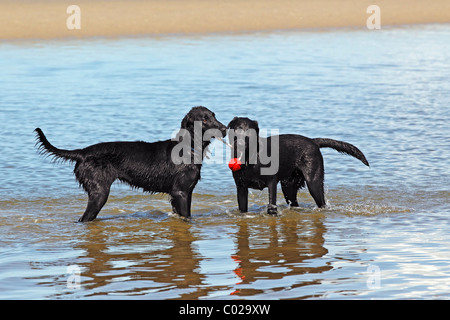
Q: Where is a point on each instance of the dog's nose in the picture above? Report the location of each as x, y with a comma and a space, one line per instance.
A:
223, 130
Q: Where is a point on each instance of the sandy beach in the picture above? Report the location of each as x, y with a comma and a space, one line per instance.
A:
46, 19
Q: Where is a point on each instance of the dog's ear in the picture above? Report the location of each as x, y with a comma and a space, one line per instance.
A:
187, 122
256, 126
232, 122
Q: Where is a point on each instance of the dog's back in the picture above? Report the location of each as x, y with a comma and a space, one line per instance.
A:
140, 164
293, 151
297, 150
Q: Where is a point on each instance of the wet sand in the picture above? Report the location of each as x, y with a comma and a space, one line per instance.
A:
46, 19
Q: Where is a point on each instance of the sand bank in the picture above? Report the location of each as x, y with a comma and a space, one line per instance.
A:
46, 19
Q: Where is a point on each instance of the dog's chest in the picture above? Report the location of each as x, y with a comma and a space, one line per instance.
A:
249, 178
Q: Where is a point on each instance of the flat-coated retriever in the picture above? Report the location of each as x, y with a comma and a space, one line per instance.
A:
299, 161
154, 167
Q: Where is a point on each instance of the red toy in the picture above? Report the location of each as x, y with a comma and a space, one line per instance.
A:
235, 164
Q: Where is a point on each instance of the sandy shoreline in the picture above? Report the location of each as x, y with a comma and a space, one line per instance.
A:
46, 19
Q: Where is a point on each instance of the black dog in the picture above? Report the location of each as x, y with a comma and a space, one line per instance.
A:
300, 162
149, 166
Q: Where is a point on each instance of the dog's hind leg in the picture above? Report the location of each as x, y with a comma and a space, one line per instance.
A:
316, 190
289, 187
313, 172
272, 186
96, 202
96, 181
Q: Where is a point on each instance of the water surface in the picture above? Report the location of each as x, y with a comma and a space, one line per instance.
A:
384, 235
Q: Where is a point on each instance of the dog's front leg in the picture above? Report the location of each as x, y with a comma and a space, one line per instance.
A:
272, 208
181, 202
242, 197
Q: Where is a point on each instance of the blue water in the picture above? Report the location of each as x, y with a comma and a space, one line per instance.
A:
387, 92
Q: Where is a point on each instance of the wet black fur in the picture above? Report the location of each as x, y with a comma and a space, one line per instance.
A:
300, 164
140, 164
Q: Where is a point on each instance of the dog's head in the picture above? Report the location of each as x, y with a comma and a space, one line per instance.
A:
243, 134
201, 116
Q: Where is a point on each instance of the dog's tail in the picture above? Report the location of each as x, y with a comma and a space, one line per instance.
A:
47, 148
342, 147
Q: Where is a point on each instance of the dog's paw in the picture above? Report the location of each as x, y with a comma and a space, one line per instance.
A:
272, 209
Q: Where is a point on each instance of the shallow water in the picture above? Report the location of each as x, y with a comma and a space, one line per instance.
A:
384, 234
